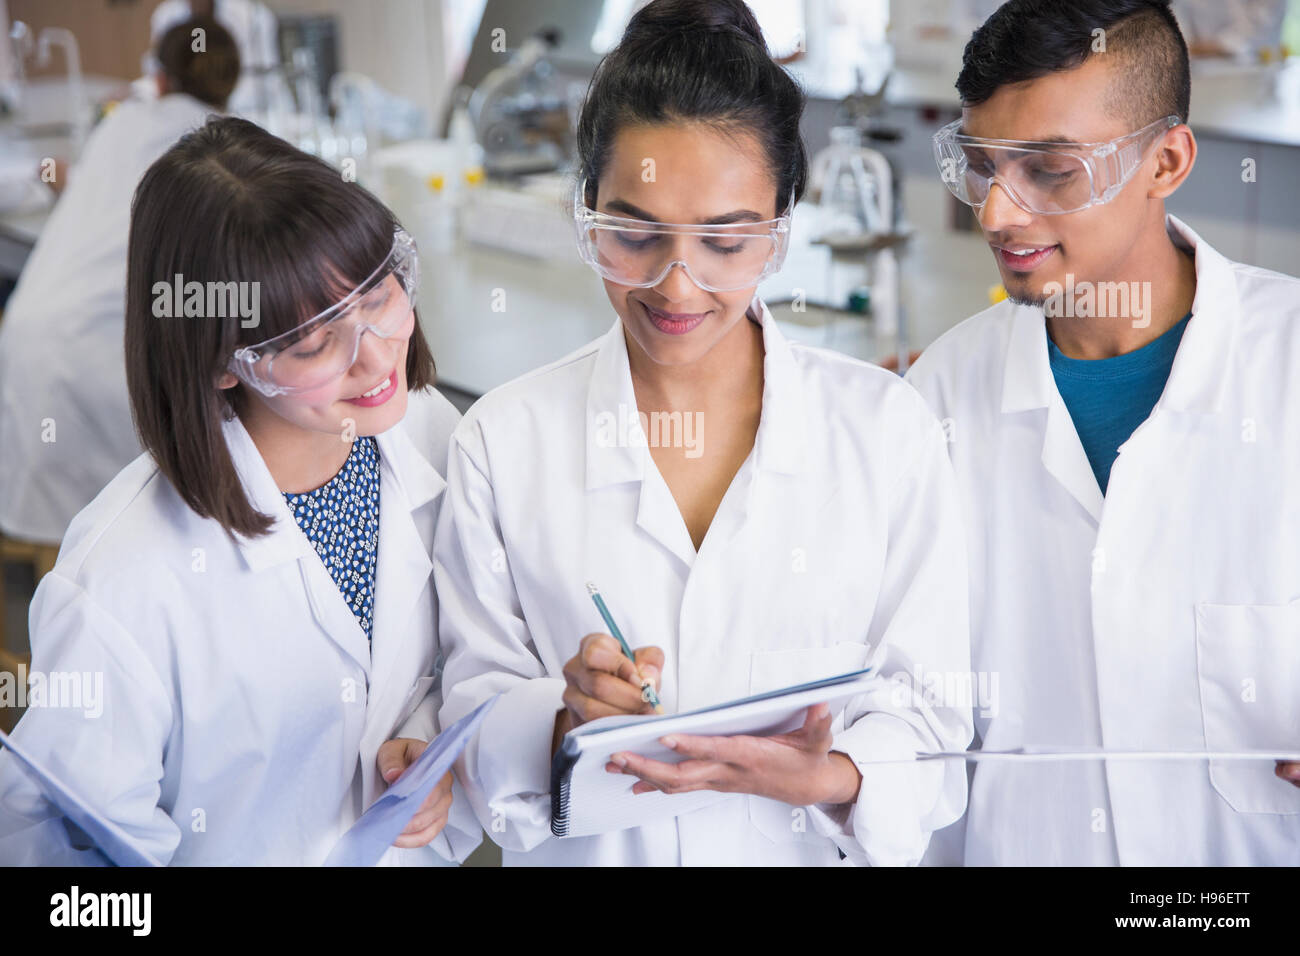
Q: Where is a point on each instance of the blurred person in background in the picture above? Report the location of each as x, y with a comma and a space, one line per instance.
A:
65, 423
253, 28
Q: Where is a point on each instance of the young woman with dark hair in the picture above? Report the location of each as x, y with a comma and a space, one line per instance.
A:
254, 592
757, 513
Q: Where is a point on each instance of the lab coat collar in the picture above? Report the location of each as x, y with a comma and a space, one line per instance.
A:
611, 405
1198, 381
1028, 385
779, 446
412, 474
1027, 378
407, 482
284, 542
1199, 374
280, 544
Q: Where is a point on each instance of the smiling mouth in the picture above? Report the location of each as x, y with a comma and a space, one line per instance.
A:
1024, 258
378, 395
672, 323
388, 380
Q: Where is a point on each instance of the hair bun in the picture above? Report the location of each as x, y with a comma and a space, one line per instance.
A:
663, 18
705, 61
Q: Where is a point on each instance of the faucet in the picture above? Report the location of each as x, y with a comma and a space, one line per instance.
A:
60, 36
21, 35
350, 88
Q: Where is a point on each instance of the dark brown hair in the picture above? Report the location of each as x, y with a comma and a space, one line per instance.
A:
232, 203
1026, 39
208, 75
695, 61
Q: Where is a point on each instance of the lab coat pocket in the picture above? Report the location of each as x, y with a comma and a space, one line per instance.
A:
772, 670
414, 697
1248, 666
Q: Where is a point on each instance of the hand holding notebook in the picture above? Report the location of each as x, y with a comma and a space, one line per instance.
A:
586, 799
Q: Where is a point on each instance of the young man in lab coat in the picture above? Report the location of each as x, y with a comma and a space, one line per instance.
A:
1126, 435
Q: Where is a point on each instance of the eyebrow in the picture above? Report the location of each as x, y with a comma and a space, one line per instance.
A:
739, 215
1057, 139
376, 295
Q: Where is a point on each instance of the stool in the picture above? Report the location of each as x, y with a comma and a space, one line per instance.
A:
40, 558
10, 663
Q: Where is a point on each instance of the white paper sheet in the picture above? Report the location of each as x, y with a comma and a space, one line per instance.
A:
371, 836
110, 839
592, 800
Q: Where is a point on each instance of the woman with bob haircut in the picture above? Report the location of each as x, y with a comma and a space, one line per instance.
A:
251, 598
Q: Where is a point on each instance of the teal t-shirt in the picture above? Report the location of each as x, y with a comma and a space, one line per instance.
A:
1109, 398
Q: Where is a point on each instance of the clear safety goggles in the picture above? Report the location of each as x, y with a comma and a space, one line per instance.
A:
1048, 179
325, 346
640, 252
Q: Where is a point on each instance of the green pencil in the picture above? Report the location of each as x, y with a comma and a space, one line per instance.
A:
647, 689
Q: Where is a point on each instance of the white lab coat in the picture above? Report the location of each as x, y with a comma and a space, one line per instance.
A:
836, 546
1165, 616
65, 420
242, 709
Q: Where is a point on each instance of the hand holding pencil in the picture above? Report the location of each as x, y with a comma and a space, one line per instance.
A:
647, 689
606, 677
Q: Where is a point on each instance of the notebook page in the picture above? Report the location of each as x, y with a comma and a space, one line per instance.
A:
602, 802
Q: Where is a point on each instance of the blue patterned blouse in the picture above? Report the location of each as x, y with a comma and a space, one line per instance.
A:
341, 520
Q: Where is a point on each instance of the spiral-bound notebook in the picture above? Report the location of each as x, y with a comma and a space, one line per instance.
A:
586, 799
